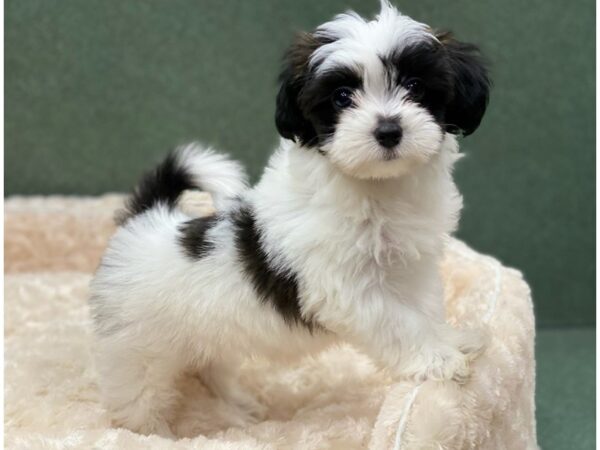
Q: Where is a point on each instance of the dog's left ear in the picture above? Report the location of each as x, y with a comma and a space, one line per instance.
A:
471, 85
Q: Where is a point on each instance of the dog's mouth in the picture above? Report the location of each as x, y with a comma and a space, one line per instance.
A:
390, 154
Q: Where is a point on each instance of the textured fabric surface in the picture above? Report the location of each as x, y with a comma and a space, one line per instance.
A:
337, 400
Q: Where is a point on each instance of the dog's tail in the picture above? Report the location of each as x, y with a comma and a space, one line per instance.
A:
189, 167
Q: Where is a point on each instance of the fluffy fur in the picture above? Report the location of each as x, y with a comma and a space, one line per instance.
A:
340, 240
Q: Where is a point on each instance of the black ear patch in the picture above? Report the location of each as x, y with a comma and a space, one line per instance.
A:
290, 122
289, 119
471, 85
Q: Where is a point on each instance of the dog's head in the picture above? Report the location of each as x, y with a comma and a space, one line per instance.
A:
376, 97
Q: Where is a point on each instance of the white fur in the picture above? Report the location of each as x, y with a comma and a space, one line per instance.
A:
359, 42
223, 178
354, 149
364, 236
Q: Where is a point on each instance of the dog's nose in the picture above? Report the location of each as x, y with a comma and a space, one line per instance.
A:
388, 133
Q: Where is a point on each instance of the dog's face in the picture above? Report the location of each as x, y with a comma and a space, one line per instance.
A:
376, 97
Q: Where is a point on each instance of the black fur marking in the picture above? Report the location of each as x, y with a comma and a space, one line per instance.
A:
193, 237
428, 63
455, 78
316, 103
290, 122
299, 116
274, 286
164, 184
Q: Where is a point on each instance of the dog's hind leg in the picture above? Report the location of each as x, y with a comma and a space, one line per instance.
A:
221, 378
139, 389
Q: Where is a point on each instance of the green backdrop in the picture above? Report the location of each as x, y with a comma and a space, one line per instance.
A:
96, 91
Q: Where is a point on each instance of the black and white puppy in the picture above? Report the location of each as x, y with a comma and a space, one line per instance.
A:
340, 240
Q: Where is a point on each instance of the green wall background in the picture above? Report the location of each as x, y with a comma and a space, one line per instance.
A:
97, 90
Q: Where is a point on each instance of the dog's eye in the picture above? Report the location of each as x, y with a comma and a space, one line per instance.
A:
415, 87
342, 97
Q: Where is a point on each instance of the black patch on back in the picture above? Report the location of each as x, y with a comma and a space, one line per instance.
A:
273, 286
164, 184
193, 238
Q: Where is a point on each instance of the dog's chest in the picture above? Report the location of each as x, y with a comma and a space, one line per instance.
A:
367, 259
376, 246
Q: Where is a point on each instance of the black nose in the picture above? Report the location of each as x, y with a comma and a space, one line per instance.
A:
388, 133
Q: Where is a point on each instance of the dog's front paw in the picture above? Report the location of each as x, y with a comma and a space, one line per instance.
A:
471, 342
448, 359
253, 411
439, 363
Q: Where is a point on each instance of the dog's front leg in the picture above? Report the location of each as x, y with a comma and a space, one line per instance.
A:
405, 340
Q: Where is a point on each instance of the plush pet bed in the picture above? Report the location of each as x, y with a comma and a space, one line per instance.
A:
338, 400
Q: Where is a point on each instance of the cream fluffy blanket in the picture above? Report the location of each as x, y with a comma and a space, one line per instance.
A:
338, 400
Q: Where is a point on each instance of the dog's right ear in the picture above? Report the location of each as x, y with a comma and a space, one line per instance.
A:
289, 120
289, 117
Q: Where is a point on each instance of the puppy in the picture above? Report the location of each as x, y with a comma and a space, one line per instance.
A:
339, 240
